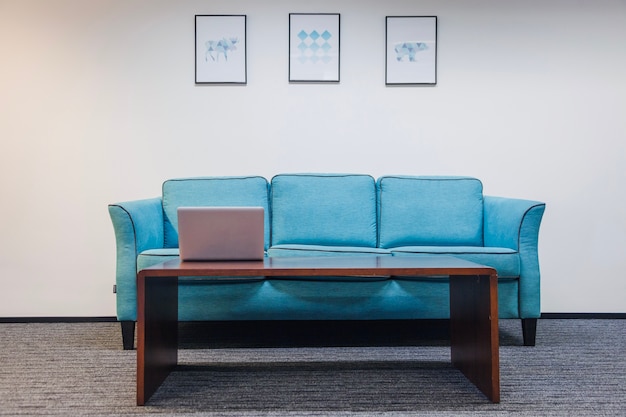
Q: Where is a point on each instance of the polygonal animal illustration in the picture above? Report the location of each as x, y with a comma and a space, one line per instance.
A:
222, 46
409, 49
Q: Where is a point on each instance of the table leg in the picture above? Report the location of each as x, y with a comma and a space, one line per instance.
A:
157, 332
474, 331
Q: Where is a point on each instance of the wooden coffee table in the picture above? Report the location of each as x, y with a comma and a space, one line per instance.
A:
473, 307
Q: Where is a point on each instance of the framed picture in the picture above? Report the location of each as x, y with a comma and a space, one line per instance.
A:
411, 50
221, 49
314, 47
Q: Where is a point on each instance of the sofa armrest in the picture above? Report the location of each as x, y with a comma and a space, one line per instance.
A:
510, 221
138, 226
514, 223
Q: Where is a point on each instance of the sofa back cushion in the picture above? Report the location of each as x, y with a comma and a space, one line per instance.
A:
430, 211
212, 191
324, 209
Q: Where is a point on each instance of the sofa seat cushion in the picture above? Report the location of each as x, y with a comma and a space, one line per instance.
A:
506, 261
430, 211
324, 209
319, 250
212, 191
155, 256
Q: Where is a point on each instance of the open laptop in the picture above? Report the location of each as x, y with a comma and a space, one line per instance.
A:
221, 233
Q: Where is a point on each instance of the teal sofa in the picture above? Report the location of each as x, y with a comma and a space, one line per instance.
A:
339, 215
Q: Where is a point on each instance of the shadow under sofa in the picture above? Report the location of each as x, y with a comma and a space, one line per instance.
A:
338, 215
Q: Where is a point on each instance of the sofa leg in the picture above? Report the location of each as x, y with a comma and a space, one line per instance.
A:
529, 331
128, 334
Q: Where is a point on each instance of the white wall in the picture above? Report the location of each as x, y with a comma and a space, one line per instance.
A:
98, 105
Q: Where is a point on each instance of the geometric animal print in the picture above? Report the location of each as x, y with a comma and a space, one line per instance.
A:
222, 46
409, 49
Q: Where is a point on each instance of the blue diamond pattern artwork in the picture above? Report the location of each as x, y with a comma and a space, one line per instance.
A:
314, 47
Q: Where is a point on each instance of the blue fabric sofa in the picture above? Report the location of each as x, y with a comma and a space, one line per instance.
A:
331, 215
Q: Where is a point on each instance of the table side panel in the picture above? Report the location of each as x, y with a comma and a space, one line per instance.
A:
157, 332
474, 331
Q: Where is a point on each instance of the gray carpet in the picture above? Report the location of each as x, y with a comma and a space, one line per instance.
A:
578, 368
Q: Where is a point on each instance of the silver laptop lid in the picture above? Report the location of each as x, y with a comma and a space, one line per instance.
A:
221, 233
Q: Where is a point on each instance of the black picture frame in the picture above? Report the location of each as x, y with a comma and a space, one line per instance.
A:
220, 49
411, 50
314, 47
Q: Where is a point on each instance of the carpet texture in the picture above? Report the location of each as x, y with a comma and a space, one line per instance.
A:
578, 368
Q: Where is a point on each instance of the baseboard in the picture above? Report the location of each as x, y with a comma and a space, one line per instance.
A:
57, 319
587, 316
108, 319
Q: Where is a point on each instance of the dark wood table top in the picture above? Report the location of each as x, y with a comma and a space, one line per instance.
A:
365, 265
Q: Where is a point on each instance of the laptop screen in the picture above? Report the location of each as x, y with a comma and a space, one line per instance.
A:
221, 233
